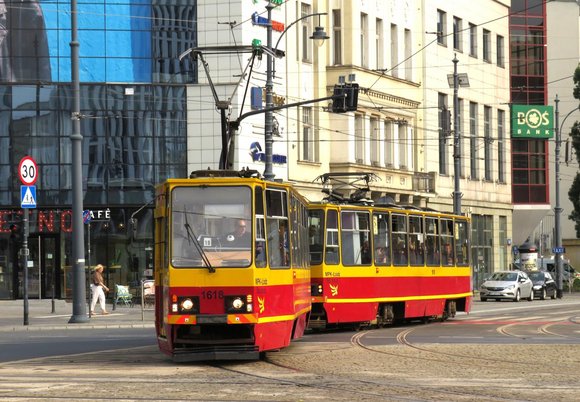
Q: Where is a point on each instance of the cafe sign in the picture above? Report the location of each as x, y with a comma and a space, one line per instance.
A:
532, 121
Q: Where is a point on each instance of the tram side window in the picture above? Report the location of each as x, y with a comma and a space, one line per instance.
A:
260, 252
278, 231
331, 253
400, 241
461, 243
381, 238
316, 235
355, 238
416, 241
432, 241
447, 257
298, 233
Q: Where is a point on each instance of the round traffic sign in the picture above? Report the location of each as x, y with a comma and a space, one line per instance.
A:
28, 171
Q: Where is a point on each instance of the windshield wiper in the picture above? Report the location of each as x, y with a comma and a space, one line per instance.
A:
192, 238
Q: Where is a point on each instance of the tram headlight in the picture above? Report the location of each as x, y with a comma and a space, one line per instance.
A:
316, 289
185, 304
238, 304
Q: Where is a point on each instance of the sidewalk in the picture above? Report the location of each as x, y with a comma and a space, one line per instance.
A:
41, 317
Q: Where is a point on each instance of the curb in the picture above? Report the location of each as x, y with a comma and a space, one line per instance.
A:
27, 328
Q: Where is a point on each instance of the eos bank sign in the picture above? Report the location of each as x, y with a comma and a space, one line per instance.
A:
532, 121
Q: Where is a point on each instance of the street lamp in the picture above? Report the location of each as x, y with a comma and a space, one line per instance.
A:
456, 80
318, 34
558, 249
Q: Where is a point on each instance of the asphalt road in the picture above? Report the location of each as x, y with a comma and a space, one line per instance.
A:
501, 351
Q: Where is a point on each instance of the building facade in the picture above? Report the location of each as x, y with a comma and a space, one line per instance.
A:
133, 123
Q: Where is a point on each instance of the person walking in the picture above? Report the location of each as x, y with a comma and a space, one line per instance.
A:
98, 290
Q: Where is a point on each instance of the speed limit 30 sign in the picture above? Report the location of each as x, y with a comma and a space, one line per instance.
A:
28, 171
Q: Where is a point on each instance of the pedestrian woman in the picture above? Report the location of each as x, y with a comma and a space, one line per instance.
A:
98, 290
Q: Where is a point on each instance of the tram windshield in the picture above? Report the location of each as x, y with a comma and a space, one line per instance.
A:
211, 227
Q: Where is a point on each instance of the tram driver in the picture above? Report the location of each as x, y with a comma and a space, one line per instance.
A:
240, 237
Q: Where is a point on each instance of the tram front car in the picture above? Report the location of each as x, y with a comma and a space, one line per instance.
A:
231, 267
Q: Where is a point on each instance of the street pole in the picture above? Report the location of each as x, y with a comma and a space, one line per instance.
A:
79, 314
456, 145
557, 209
269, 117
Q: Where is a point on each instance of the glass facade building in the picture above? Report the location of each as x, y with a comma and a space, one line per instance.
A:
133, 123
528, 76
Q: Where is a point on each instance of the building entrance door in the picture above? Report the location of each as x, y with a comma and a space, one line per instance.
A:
44, 267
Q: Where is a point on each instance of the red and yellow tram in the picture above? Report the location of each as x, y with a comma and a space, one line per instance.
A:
225, 292
373, 264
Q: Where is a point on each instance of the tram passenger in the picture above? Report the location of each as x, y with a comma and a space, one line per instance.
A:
366, 256
400, 254
380, 255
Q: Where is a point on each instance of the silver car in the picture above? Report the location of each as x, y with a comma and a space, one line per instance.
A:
510, 285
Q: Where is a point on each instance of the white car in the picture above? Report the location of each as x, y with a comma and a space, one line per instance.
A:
510, 285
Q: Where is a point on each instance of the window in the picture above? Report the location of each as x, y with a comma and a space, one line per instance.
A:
400, 239
404, 144
473, 40
529, 171
394, 51
473, 151
443, 133
364, 27
309, 143
331, 253
336, 38
442, 27
375, 141
500, 51
500, 146
457, 34
432, 241
306, 33
488, 140
447, 249
379, 44
416, 239
277, 228
381, 239
487, 45
359, 138
408, 56
461, 243
356, 238
389, 147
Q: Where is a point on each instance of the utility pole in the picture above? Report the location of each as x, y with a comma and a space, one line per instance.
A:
79, 314
557, 209
456, 146
455, 81
268, 123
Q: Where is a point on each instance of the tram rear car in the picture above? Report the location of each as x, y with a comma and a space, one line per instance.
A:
377, 265
222, 293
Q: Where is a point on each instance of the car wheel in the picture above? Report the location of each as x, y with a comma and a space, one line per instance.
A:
553, 294
517, 297
544, 294
484, 299
531, 295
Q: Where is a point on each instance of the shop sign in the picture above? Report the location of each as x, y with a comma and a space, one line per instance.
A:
532, 121
259, 156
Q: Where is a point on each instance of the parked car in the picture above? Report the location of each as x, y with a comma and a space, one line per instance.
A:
507, 285
543, 284
568, 271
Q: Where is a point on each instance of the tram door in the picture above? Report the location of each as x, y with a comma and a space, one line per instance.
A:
43, 267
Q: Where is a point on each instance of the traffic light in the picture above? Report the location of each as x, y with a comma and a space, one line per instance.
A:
15, 236
345, 98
